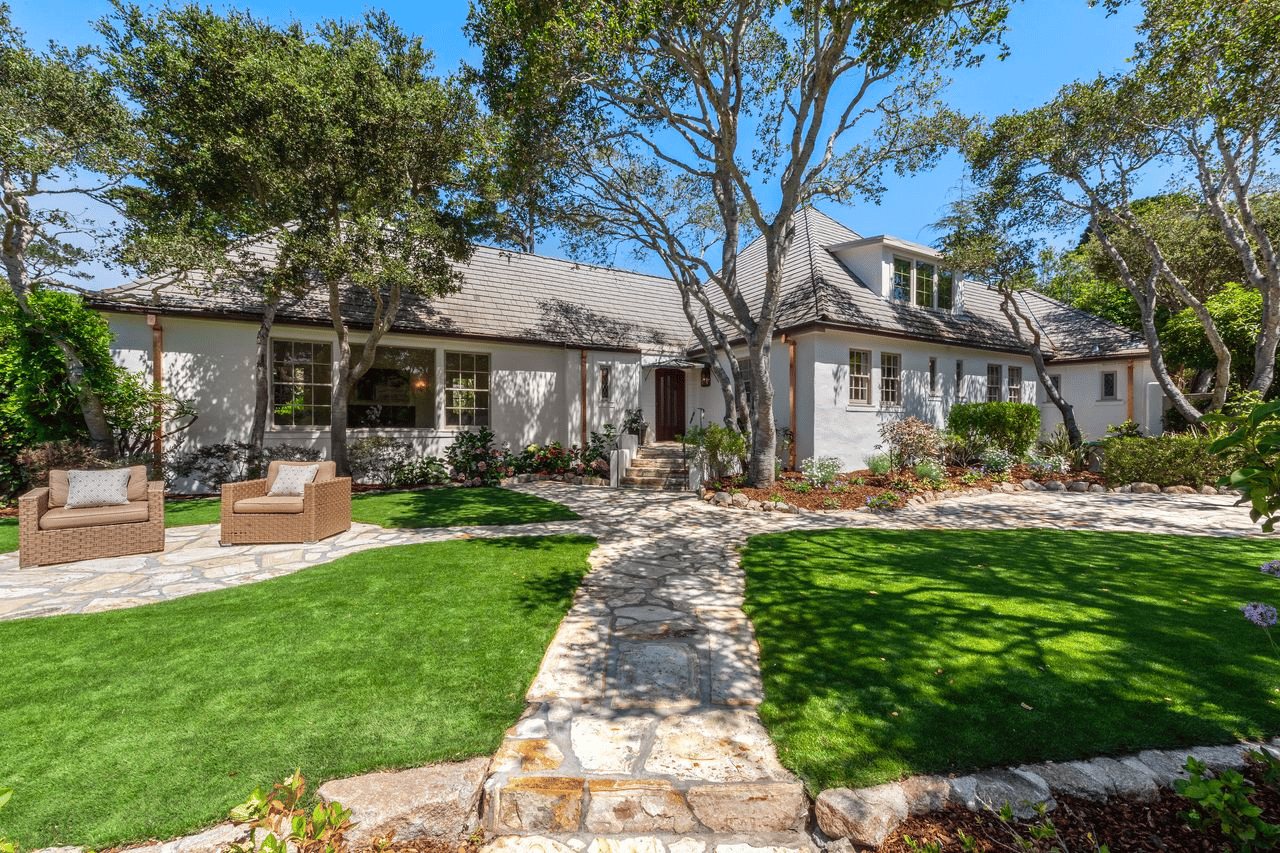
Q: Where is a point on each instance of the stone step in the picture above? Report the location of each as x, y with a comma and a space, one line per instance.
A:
679, 482
653, 470
776, 842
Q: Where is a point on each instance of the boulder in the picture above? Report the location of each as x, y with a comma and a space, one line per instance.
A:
750, 807
740, 499
1097, 488
1145, 489
866, 816
722, 499
1179, 490
1208, 490
436, 801
994, 789
1055, 486
1078, 486
1070, 779
1032, 486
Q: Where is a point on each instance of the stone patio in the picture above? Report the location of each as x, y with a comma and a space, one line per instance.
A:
641, 734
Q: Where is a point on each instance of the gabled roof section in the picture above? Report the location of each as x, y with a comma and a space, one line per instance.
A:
818, 289
505, 295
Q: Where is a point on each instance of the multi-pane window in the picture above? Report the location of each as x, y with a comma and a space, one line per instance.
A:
890, 379
859, 377
959, 380
994, 376
466, 389
901, 280
744, 376
605, 390
924, 285
946, 289
1109, 385
398, 390
1015, 384
933, 377
301, 383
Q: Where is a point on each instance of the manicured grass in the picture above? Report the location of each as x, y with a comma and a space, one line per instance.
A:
898, 652
8, 535
154, 721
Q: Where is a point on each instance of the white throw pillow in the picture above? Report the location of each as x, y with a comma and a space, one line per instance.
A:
98, 488
291, 478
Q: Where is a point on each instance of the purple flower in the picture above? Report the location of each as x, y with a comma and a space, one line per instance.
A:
1262, 615
1271, 568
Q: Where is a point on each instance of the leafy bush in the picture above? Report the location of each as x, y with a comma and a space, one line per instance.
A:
997, 460
821, 471
377, 459
288, 826
1012, 427
550, 459
879, 464
960, 449
34, 462
1128, 429
633, 422
1047, 463
423, 471
474, 459
932, 471
717, 448
1251, 452
599, 450
910, 440
1058, 443
1167, 460
1222, 803
231, 462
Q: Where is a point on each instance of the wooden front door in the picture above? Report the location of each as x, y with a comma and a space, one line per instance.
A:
669, 415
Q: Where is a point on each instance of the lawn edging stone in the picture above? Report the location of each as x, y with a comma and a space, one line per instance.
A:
866, 817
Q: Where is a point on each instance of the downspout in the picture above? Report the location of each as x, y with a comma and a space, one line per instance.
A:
791, 393
583, 373
1129, 391
157, 384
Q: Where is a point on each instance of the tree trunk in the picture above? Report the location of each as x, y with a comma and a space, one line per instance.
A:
763, 434
1031, 340
262, 376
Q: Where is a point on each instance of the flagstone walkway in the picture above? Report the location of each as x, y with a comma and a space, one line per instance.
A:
641, 734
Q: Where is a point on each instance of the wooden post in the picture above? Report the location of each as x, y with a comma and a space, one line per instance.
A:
791, 399
584, 398
157, 384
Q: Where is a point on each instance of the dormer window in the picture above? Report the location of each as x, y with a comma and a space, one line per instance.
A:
922, 284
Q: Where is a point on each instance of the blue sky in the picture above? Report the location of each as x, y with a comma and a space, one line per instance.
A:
1053, 42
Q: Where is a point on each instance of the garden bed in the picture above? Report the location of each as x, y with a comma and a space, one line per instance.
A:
859, 489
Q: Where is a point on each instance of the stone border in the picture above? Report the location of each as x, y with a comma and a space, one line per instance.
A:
738, 500
868, 816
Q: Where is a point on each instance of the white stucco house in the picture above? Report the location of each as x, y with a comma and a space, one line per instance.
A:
542, 349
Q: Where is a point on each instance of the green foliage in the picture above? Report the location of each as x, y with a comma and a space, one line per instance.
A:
998, 461
1222, 802
820, 472
423, 471
879, 464
1058, 443
378, 459
230, 462
1237, 314
1252, 448
910, 440
6, 846
1012, 427
474, 459
286, 825
717, 448
884, 500
1166, 460
931, 471
1128, 429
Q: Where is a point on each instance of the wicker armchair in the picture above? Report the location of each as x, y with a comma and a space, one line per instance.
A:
251, 517
55, 534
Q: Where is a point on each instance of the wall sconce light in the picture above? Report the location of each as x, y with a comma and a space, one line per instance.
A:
706, 377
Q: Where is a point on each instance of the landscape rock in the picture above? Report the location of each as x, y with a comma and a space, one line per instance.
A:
524, 844
1146, 489
1070, 779
1127, 488
1124, 780
1165, 765
214, 840
925, 794
1179, 490
1096, 487
1032, 486
866, 816
636, 806
1078, 486
1208, 490
439, 800
1220, 758
995, 788
722, 499
1055, 486
739, 499
760, 807
539, 804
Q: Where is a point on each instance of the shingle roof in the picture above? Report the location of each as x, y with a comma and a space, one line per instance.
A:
504, 294
818, 288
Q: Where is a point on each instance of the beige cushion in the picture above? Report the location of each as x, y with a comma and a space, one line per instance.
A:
327, 471
268, 504
61, 518
58, 485
291, 481
98, 488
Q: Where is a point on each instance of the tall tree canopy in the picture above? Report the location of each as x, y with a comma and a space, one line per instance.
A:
711, 122
338, 149
1199, 99
64, 139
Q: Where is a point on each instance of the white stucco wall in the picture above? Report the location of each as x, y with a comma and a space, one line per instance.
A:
536, 390
1081, 385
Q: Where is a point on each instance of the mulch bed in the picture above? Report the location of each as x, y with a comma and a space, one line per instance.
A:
851, 490
1125, 827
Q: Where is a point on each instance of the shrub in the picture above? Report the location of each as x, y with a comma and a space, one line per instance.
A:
256, 464
34, 462
474, 459
1058, 443
549, 459
1167, 460
423, 471
820, 471
599, 450
879, 464
960, 449
717, 448
1128, 429
1047, 463
932, 471
997, 460
910, 440
1012, 427
230, 462
377, 459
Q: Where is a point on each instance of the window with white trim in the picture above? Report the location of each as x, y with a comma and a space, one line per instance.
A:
301, 383
890, 379
959, 380
946, 289
1109, 386
859, 377
922, 284
933, 377
1015, 384
605, 389
995, 380
466, 389
902, 269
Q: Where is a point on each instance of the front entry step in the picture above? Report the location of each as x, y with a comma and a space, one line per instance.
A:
659, 466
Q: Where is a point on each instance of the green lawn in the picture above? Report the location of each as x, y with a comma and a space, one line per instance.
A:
897, 652
427, 508
153, 721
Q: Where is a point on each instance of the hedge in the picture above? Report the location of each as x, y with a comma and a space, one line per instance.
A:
1166, 460
1012, 427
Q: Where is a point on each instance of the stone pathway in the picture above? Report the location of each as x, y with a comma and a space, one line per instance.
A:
641, 734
